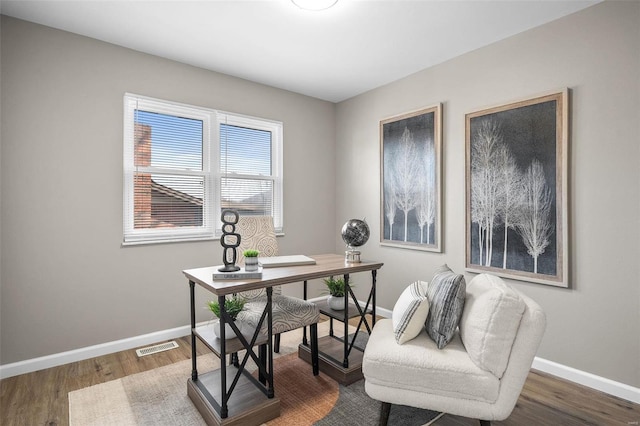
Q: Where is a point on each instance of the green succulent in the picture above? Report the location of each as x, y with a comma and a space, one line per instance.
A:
335, 286
232, 305
251, 253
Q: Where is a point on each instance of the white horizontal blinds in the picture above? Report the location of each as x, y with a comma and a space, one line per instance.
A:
169, 144
169, 179
250, 178
174, 157
176, 142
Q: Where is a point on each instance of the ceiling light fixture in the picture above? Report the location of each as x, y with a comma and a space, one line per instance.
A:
314, 4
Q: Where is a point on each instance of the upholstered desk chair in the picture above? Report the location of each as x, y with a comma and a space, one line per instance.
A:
479, 374
289, 313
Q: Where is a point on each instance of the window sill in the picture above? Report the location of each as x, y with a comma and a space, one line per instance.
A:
167, 241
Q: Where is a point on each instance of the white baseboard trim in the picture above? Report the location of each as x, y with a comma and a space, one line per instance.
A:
54, 360
580, 377
383, 312
602, 384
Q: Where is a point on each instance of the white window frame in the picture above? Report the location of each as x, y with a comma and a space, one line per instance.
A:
211, 172
275, 128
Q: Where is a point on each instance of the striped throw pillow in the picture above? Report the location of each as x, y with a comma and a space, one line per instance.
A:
410, 312
446, 294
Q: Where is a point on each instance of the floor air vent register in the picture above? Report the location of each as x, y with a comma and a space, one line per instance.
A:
156, 348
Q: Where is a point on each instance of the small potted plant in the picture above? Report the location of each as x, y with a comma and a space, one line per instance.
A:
336, 289
233, 306
250, 260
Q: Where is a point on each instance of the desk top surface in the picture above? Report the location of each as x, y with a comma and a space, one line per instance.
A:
326, 265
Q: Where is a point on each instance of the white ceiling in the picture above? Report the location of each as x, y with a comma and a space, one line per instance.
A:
333, 55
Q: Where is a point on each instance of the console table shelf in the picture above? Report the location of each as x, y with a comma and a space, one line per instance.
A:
249, 405
207, 336
339, 315
340, 358
330, 351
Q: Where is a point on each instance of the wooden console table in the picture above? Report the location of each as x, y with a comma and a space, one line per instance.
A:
341, 357
253, 402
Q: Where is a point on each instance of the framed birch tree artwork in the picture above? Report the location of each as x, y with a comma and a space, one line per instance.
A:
410, 204
516, 190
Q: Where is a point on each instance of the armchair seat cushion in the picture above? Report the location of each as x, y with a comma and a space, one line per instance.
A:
289, 313
419, 366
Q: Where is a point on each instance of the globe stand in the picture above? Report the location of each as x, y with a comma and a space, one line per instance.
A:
352, 256
355, 233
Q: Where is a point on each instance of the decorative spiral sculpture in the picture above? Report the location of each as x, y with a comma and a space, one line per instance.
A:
230, 240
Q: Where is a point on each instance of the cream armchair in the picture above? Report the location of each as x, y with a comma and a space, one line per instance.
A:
479, 374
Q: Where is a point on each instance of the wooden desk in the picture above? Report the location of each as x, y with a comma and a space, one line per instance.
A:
210, 392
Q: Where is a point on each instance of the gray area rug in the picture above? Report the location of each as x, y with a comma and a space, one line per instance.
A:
159, 397
355, 408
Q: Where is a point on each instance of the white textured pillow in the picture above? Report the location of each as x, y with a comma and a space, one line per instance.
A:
410, 312
490, 321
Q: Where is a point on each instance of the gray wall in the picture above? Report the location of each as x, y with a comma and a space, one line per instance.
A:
595, 325
66, 281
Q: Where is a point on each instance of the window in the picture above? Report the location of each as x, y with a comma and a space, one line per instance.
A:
182, 164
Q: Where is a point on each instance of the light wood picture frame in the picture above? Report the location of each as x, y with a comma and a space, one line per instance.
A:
516, 189
411, 180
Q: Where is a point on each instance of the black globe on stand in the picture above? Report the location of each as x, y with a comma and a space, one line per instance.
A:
355, 233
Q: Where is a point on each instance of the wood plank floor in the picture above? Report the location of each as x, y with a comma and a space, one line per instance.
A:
40, 398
